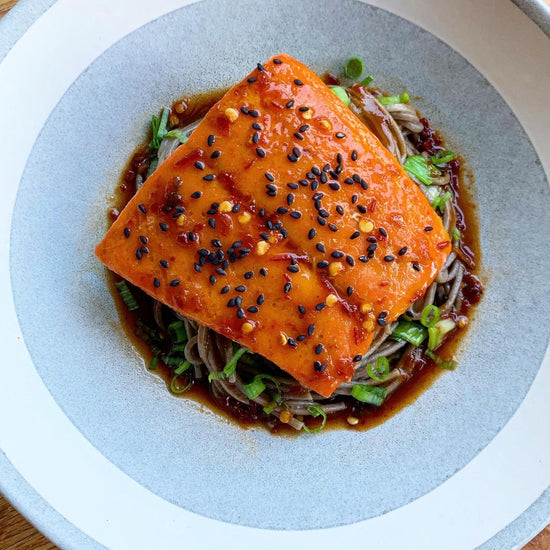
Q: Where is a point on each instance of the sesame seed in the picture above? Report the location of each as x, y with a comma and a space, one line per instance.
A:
354, 199
225, 289
209, 177
263, 272
253, 113
321, 220
302, 309
145, 250
314, 185
333, 174
199, 165
191, 236
320, 247
350, 260
289, 199
292, 185
139, 254
292, 158
270, 187
240, 288
340, 135
357, 358
349, 290
238, 301
362, 209
220, 271
416, 266
301, 337
318, 367
277, 61
240, 313
212, 223
320, 306
253, 309
197, 267
260, 152
127, 232
383, 232
260, 299
212, 280
303, 109
142, 208
299, 136
333, 227
163, 226
340, 210
156, 282
244, 110
293, 268
312, 233
298, 82
260, 67
291, 342
215, 154
381, 322
211, 140
290, 104
323, 213
428, 228
256, 126
372, 247
322, 264
249, 275
337, 254
372, 239
174, 282
318, 349
354, 155
196, 195
282, 210
323, 178
164, 263
334, 186
349, 181
177, 214
363, 259
287, 287
402, 251
251, 80
389, 258
355, 234
304, 128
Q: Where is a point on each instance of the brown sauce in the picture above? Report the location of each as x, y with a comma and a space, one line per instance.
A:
424, 371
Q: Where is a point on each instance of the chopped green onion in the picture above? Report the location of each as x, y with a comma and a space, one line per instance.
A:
439, 331
441, 363
429, 316
177, 332
154, 363
256, 386
366, 81
354, 68
149, 335
153, 166
177, 390
442, 157
341, 94
411, 332
439, 201
316, 411
183, 367
216, 375
373, 395
455, 234
268, 409
177, 133
231, 365
159, 128
391, 99
173, 359
382, 370
126, 295
417, 166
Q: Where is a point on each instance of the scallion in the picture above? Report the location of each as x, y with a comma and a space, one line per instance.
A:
315, 411
231, 365
455, 234
183, 367
429, 316
391, 99
154, 362
341, 94
177, 332
177, 133
440, 200
441, 363
381, 371
126, 295
366, 81
159, 128
177, 390
373, 395
216, 375
417, 166
354, 68
438, 332
411, 332
442, 157
257, 386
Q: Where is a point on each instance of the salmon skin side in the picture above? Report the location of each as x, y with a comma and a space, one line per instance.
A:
284, 225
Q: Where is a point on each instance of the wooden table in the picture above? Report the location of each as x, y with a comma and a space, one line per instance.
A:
17, 534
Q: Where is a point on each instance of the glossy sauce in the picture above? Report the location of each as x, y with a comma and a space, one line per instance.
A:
424, 371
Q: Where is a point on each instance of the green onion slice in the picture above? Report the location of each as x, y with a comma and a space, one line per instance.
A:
438, 332
182, 368
177, 332
391, 99
256, 386
440, 200
381, 371
316, 411
177, 133
126, 295
177, 390
354, 68
159, 128
443, 157
409, 331
417, 166
231, 365
429, 316
366, 81
154, 362
455, 234
373, 395
216, 375
441, 363
341, 94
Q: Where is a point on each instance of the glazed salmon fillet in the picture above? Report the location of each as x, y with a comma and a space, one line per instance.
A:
283, 224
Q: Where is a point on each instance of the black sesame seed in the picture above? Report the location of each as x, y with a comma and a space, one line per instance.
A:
289, 199
428, 228
196, 195
355, 235
320, 306
293, 268
337, 254
334, 186
264, 236
383, 232
251, 80
323, 213
318, 349
290, 104
249, 275
349, 181
310, 330
211, 140
287, 288
203, 252
416, 266
260, 67
340, 135
322, 264
354, 155
156, 282
263, 272
298, 82
197, 267
240, 313
256, 126
292, 185
220, 271
382, 314
292, 158
199, 165
372, 247
318, 196
253, 309
316, 171
215, 154
240, 288
299, 136
238, 301
333, 174
354, 199
163, 226
381, 322
302, 309
253, 113
333, 227
260, 299
301, 337
323, 178
356, 178
312, 233
277, 61
321, 220
180, 208
225, 290
174, 282
296, 151
212, 280
269, 224
389, 258
303, 109
284, 232
318, 367
209, 177
127, 232
142, 208
139, 254
164, 263
304, 128
357, 358
314, 185
271, 187
231, 302
143, 239
340, 210
244, 110
363, 259
260, 152
350, 260
320, 247
402, 251
349, 290
145, 250
372, 239
282, 210
212, 223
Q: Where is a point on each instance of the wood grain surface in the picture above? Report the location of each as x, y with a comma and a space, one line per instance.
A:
17, 534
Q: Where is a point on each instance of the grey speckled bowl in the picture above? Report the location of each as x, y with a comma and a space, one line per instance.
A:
188, 457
